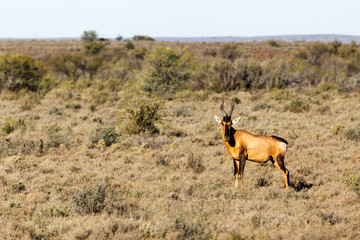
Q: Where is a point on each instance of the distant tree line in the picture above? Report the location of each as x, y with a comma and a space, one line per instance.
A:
162, 69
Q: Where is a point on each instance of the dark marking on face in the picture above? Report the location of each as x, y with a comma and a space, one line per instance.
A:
227, 119
227, 125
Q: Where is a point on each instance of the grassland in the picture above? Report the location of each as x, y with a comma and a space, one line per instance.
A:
56, 183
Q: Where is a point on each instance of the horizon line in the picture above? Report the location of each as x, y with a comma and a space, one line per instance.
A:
185, 37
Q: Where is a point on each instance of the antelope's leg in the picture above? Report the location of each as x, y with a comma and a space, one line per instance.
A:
236, 172
279, 163
242, 161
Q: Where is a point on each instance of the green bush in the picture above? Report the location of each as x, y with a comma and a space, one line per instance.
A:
168, 71
90, 200
142, 38
52, 129
230, 51
138, 53
7, 127
227, 75
89, 36
21, 72
129, 45
108, 134
76, 65
297, 106
67, 64
11, 124
142, 115
273, 43
349, 50
353, 182
94, 48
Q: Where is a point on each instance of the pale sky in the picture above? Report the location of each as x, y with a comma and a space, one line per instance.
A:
175, 18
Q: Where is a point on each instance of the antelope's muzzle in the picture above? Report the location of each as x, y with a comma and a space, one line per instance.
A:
227, 133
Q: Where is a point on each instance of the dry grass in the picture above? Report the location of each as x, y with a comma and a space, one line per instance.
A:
69, 169
56, 184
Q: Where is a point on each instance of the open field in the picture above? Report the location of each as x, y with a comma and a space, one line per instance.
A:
57, 182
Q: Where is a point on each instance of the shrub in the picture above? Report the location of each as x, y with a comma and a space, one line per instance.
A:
55, 137
89, 36
52, 129
181, 111
76, 65
11, 124
92, 108
353, 134
281, 95
21, 72
262, 182
129, 45
89, 200
301, 53
223, 75
353, 182
168, 71
138, 53
297, 106
273, 43
92, 65
67, 64
142, 38
236, 100
349, 50
93, 48
227, 75
230, 51
7, 127
108, 134
195, 163
142, 115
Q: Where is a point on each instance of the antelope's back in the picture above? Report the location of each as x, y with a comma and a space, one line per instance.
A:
281, 140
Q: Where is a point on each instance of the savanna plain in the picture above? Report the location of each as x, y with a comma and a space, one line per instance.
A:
117, 139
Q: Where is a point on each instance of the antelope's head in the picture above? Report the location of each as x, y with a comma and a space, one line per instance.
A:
226, 121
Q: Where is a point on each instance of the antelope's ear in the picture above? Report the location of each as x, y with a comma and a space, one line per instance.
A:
217, 119
236, 120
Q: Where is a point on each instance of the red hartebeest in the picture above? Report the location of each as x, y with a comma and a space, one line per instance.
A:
243, 146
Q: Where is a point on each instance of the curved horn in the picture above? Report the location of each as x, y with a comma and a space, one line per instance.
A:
222, 108
231, 108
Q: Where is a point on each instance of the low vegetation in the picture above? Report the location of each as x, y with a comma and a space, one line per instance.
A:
116, 139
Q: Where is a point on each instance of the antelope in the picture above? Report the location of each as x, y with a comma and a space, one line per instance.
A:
243, 146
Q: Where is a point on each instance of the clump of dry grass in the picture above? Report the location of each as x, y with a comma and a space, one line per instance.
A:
353, 134
353, 182
90, 200
195, 163
106, 134
297, 106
